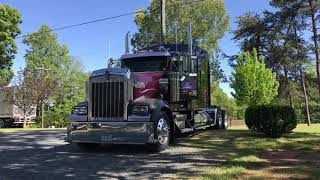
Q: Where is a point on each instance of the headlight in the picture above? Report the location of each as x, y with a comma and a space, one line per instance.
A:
80, 110
140, 109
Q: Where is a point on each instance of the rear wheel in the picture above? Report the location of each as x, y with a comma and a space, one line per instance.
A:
219, 121
163, 133
225, 123
2, 123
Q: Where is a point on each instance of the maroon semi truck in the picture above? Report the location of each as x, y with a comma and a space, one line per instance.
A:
158, 92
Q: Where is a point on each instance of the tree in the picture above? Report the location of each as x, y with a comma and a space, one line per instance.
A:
209, 21
23, 94
70, 92
254, 84
221, 99
45, 53
208, 17
9, 30
304, 10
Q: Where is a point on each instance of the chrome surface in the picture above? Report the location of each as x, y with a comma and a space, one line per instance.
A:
108, 97
163, 131
139, 118
111, 132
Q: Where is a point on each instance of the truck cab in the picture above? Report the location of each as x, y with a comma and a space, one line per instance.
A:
158, 91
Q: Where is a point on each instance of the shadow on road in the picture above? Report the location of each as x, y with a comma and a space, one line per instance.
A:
44, 155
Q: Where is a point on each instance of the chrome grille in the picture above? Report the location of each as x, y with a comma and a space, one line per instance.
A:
107, 99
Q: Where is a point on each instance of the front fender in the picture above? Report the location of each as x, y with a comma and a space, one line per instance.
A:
155, 105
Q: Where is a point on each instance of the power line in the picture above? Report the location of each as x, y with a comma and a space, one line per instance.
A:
87, 22
107, 18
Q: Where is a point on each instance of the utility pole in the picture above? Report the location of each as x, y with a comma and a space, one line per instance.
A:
163, 22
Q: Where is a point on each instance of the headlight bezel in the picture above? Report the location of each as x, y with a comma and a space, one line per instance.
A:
140, 109
80, 110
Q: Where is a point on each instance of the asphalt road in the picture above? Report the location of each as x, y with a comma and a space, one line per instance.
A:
44, 155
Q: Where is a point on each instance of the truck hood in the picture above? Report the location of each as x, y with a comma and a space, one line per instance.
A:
111, 71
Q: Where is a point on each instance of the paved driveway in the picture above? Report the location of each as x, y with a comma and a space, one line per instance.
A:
45, 155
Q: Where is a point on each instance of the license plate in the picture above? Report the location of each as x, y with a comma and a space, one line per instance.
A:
107, 138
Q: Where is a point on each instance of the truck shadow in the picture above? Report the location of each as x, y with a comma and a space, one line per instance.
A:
44, 155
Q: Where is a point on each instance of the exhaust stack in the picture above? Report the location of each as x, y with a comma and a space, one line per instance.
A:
190, 42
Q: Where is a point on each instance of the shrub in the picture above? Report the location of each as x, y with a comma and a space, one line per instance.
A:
273, 121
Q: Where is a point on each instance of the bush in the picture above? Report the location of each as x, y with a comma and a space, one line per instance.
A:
273, 121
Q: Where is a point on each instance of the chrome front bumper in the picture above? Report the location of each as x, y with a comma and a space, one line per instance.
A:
122, 132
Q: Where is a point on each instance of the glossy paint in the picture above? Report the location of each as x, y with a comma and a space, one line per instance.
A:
151, 82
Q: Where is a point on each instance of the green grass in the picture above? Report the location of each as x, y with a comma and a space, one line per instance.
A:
244, 151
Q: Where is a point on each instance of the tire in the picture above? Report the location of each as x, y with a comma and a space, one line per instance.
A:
87, 146
2, 123
225, 123
219, 121
162, 133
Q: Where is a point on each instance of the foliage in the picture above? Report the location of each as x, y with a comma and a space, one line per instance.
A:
287, 39
209, 21
254, 84
208, 17
69, 94
9, 30
273, 121
23, 94
221, 99
45, 52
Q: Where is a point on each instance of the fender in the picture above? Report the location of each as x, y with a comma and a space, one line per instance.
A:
156, 106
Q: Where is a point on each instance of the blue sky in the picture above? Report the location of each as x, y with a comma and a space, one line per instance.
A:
90, 43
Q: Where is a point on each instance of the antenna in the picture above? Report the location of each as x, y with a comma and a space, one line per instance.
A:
190, 38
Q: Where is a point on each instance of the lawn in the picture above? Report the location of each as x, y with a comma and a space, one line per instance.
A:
245, 155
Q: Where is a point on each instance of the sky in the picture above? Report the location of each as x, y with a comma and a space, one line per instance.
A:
90, 43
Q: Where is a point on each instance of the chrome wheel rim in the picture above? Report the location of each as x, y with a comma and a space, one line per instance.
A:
163, 131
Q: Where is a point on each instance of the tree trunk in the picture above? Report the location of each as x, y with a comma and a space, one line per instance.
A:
315, 40
288, 92
305, 98
24, 119
42, 114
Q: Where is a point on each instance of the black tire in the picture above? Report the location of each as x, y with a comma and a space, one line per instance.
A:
219, 121
163, 133
225, 123
87, 146
2, 123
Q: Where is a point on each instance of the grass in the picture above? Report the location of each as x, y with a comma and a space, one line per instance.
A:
248, 155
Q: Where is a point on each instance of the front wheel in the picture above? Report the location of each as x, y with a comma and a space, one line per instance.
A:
162, 132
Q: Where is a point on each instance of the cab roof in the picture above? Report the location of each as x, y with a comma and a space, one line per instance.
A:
146, 54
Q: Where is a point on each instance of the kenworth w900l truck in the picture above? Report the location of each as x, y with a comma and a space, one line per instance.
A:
159, 91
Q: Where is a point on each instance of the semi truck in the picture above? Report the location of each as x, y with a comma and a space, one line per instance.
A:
10, 114
158, 92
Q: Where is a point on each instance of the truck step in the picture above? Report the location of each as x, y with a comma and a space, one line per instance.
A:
186, 130
202, 127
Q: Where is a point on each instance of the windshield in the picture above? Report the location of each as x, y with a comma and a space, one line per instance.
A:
142, 64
